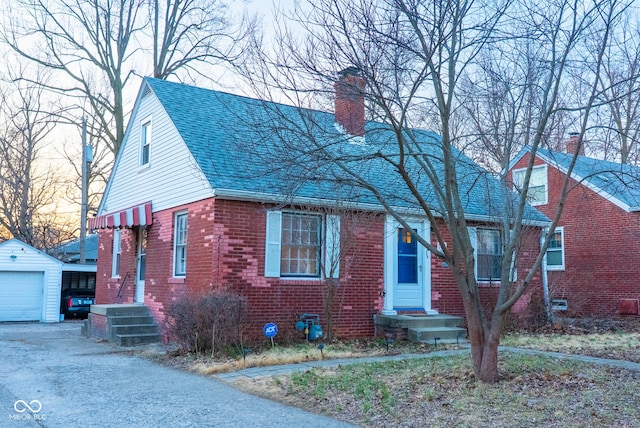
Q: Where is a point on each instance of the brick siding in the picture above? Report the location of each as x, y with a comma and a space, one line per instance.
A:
226, 250
602, 246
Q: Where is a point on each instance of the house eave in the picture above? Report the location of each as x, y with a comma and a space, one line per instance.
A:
76, 267
588, 184
242, 195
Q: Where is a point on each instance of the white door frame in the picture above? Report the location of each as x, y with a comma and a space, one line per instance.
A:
390, 263
141, 254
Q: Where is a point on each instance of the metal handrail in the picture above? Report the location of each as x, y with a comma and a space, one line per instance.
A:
122, 284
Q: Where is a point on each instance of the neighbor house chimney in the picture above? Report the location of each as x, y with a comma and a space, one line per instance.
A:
350, 100
574, 144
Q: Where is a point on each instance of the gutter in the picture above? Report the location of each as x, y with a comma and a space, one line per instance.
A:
243, 195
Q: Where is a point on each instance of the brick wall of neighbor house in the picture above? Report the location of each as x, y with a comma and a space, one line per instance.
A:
446, 299
602, 243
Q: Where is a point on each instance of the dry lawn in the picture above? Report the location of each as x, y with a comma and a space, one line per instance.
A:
442, 392
617, 346
538, 391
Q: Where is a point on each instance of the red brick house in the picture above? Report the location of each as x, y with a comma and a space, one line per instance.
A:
185, 211
593, 262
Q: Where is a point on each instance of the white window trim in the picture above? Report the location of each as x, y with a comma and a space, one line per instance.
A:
116, 254
175, 243
330, 245
562, 252
473, 237
546, 182
149, 124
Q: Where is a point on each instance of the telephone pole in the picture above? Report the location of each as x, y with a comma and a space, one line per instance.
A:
86, 161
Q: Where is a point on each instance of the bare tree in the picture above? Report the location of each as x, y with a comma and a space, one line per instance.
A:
89, 44
619, 118
412, 56
188, 33
97, 46
96, 49
28, 186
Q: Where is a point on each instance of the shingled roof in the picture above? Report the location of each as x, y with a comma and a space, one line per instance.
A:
230, 137
619, 183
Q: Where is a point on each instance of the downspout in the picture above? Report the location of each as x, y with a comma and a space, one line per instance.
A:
545, 282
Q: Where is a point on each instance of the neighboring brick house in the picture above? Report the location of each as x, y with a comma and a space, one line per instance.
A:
186, 212
593, 262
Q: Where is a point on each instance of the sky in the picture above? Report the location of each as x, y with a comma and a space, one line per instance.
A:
52, 152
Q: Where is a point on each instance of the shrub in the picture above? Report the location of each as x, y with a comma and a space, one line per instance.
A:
209, 322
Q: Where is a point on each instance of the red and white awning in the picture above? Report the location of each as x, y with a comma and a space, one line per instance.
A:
139, 215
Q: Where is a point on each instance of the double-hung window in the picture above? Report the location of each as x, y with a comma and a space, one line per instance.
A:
117, 250
145, 142
555, 250
538, 186
301, 245
180, 245
487, 245
489, 252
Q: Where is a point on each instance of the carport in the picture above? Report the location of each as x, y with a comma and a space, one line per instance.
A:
29, 283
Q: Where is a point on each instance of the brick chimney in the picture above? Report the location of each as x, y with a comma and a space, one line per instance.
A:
574, 144
349, 112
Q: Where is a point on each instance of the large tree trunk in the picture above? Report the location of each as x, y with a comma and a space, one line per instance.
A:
484, 347
484, 335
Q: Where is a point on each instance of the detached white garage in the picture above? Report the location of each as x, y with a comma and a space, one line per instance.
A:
29, 283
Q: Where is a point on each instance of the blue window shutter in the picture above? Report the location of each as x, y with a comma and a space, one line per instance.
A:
473, 236
272, 248
332, 247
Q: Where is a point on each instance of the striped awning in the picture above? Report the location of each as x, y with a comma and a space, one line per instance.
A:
139, 215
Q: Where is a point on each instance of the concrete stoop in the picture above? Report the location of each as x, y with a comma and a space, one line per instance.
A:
124, 325
433, 329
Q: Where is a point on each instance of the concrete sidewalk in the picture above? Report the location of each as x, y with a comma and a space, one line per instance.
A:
258, 372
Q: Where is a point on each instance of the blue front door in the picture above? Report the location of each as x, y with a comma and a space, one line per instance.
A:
408, 288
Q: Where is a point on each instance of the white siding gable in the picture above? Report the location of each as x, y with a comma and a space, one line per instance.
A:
172, 177
28, 259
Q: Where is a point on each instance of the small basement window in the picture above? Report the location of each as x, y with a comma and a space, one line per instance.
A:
559, 304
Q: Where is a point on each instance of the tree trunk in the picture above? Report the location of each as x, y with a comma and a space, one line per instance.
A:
484, 334
484, 348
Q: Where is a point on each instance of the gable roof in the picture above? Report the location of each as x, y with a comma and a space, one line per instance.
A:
15, 242
215, 126
618, 183
70, 252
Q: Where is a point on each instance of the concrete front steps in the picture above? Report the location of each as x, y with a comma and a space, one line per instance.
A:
432, 329
124, 325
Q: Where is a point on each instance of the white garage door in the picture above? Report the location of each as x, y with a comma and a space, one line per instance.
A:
21, 296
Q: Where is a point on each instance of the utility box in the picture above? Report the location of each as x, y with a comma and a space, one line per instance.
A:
629, 307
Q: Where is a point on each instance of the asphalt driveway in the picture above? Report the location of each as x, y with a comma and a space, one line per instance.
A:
50, 376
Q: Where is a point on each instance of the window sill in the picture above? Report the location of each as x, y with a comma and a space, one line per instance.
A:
298, 280
555, 269
488, 284
177, 280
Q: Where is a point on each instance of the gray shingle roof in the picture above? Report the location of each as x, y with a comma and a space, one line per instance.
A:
611, 179
70, 251
238, 143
